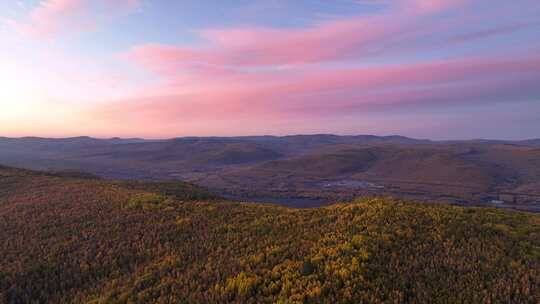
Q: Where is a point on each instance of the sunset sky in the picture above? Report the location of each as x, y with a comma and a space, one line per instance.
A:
441, 69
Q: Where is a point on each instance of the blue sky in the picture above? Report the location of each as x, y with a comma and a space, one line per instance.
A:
438, 69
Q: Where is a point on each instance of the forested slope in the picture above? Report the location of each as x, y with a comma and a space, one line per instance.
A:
82, 240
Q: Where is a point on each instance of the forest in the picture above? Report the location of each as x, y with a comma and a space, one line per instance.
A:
78, 239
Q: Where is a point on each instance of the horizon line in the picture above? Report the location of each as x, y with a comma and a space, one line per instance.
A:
264, 135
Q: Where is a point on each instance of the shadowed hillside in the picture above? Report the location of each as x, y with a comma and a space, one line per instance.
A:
326, 167
82, 240
458, 173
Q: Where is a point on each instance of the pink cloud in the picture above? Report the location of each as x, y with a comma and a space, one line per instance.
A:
231, 50
491, 32
291, 73
51, 18
257, 75
252, 77
245, 47
432, 6
255, 47
328, 92
242, 56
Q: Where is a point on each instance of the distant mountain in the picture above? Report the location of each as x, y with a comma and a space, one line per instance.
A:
530, 142
297, 165
428, 170
337, 139
62, 143
189, 151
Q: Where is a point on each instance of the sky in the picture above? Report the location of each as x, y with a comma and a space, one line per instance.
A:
439, 69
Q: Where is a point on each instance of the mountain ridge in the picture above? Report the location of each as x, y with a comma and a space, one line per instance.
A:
391, 137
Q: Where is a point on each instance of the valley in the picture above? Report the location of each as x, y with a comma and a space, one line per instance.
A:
320, 168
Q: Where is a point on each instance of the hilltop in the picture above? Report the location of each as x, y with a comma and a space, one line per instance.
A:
77, 239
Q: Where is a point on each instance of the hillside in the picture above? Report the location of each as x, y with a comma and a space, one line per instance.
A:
458, 173
68, 239
325, 167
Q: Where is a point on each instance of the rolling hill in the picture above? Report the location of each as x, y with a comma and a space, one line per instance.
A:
327, 167
462, 173
70, 239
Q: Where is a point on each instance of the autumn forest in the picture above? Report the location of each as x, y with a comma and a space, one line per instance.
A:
80, 239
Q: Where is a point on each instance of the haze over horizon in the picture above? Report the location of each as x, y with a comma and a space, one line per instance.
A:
444, 69
270, 135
